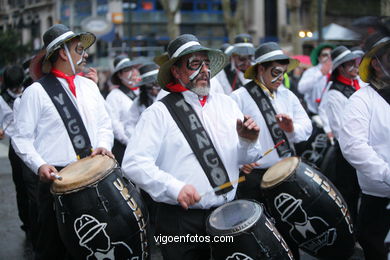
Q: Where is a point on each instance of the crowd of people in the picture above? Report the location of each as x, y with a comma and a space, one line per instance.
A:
194, 119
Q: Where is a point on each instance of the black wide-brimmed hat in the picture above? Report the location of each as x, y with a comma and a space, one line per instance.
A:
183, 45
148, 74
53, 39
121, 62
269, 51
373, 43
243, 45
340, 55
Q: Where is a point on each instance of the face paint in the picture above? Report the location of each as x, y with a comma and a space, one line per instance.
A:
197, 65
70, 59
276, 73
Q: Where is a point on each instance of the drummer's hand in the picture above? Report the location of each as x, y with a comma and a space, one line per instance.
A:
188, 196
248, 129
1, 134
285, 122
44, 172
247, 168
102, 151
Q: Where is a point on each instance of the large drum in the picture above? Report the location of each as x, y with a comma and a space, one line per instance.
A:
308, 209
244, 232
100, 214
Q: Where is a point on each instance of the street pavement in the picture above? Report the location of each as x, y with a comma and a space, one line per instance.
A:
13, 244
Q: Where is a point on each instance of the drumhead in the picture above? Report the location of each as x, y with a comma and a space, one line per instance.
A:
234, 217
279, 172
82, 173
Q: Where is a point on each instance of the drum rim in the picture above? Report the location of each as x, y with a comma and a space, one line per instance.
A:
247, 224
76, 189
265, 186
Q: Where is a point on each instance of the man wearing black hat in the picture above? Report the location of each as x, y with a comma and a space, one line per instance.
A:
241, 56
119, 101
345, 82
275, 109
61, 118
188, 143
363, 138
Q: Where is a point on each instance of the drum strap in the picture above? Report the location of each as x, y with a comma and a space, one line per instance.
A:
128, 92
268, 112
346, 90
198, 139
232, 77
69, 114
8, 99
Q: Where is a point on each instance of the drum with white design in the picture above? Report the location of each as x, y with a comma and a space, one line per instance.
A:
244, 232
308, 209
100, 214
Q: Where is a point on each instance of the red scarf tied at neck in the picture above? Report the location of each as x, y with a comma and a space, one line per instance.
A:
347, 81
69, 79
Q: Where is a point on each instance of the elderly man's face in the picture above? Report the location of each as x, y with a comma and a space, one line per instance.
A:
193, 72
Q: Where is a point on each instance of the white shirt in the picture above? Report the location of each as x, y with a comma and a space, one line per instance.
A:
364, 140
134, 114
41, 136
159, 159
6, 118
118, 105
284, 102
312, 85
224, 82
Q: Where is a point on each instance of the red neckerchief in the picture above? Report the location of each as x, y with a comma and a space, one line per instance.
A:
203, 100
69, 79
172, 87
351, 82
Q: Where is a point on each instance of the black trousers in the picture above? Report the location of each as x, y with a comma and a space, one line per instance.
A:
347, 183
118, 150
48, 242
22, 200
250, 188
373, 226
176, 221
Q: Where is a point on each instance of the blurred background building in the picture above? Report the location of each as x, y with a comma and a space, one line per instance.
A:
144, 27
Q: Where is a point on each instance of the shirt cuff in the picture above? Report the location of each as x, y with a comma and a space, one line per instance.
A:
174, 187
36, 165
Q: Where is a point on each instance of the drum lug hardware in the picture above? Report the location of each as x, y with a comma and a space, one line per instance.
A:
60, 201
101, 199
263, 250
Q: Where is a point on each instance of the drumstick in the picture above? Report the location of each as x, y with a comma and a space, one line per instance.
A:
58, 177
9, 123
225, 185
270, 150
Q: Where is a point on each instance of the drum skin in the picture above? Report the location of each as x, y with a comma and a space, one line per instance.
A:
104, 219
255, 239
308, 209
